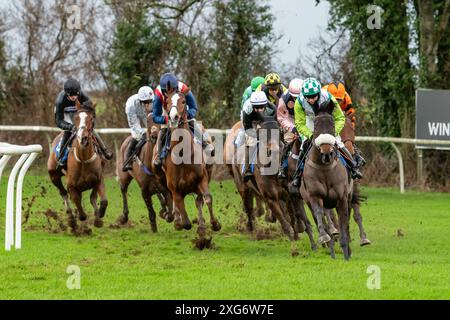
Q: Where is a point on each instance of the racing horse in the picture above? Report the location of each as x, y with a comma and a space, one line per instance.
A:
265, 183
325, 181
149, 183
83, 170
187, 171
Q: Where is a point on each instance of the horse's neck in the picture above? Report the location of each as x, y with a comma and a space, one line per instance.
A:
148, 149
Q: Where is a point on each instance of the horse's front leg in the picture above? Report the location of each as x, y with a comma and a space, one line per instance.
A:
318, 212
151, 212
181, 218
103, 199
76, 195
344, 231
331, 222
207, 197
93, 199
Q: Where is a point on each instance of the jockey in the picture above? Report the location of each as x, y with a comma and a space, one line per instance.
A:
344, 100
137, 108
251, 112
254, 84
285, 115
64, 113
272, 87
312, 96
168, 85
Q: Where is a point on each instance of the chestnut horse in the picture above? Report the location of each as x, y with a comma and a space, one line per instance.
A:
325, 181
84, 169
186, 171
144, 175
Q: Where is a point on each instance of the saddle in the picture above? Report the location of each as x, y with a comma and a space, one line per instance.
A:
58, 147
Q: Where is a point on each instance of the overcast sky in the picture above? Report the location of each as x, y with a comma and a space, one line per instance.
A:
298, 21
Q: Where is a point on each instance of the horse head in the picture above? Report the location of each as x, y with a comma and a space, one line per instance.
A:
84, 121
348, 135
324, 131
268, 133
177, 110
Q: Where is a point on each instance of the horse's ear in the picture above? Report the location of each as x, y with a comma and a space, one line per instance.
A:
327, 106
77, 104
330, 107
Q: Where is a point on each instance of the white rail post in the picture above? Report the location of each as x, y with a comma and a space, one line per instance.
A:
400, 166
28, 155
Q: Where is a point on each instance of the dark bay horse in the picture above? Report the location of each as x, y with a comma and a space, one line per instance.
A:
266, 184
247, 193
325, 181
149, 183
186, 172
84, 169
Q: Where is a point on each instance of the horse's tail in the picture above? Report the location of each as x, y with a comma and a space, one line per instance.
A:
357, 196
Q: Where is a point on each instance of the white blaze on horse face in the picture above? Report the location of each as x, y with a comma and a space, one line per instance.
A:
83, 116
325, 139
173, 113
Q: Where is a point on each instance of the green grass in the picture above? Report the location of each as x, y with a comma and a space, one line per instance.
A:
136, 264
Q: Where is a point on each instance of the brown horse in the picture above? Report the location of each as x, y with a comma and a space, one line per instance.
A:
187, 172
348, 138
325, 182
246, 192
149, 183
84, 170
265, 184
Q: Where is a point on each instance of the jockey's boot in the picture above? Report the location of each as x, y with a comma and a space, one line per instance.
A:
282, 171
64, 145
360, 161
128, 163
161, 139
103, 148
298, 169
207, 145
247, 169
354, 171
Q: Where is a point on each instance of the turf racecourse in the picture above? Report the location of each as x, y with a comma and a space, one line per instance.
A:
409, 235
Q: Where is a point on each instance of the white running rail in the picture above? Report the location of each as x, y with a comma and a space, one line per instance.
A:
28, 154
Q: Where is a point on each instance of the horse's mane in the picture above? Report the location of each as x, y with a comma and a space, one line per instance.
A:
87, 106
326, 107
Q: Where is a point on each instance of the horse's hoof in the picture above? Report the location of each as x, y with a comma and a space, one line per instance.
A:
178, 226
334, 231
122, 220
270, 218
324, 239
154, 228
216, 226
83, 217
365, 242
187, 226
98, 223
314, 247
170, 218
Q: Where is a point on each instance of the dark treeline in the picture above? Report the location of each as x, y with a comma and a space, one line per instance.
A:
216, 47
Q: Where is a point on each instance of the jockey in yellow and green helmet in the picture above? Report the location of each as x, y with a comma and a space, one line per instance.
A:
305, 109
273, 87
